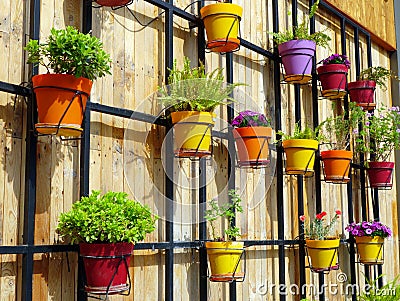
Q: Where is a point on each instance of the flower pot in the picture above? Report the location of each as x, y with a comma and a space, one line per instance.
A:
333, 78
297, 58
61, 99
221, 21
362, 92
380, 174
370, 249
323, 254
114, 3
252, 145
192, 131
336, 165
300, 156
224, 257
102, 271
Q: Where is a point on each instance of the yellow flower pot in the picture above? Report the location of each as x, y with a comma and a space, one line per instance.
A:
224, 257
300, 156
323, 253
370, 249
221, 21
192, 131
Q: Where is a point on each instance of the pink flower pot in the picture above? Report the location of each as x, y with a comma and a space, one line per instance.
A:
333, 78
380, 174
362, 92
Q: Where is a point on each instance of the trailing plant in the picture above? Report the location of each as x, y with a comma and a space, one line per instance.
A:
306, 133
319, 228
249, 119
380, 135
378, 74
373, 228
107, 218
226, 212
192, 89
68, 51
336, 59
388, 292
301, 31
335, 131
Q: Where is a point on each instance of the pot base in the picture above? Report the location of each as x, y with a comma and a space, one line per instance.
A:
366, 105
297, 78
223, 45
66, 130
191, 153
238, 277
254, 163
102, 290
334, 94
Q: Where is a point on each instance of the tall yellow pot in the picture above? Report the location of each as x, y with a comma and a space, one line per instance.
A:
370, 249
300, 156
224, 257
323, 253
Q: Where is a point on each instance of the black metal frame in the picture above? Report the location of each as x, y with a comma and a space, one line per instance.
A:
28, 248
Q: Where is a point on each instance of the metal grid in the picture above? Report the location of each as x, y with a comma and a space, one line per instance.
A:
28, 248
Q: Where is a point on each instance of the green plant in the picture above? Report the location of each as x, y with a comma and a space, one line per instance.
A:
68, 51
380, 134
227, 212
110, 218
389, 292
301, 31
336, 131
378, 74
317, 229
306, 133
192, 89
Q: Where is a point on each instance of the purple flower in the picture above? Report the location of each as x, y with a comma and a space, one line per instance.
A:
355, 131
368, 231
398, 130
369, 115
249, 119
367, 123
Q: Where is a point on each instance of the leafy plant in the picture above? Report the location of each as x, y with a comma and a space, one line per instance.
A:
249, 118
336, 59
227, 212
110, 218
68, 51
192, 89
336, 131
373, 228
301, 31
378, 74
380, 134
306, 133
317, 229
389, 292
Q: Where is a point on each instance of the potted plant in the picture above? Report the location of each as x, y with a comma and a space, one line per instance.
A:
252, 132
380, 137
221, 21
75, 60
190, 99
113, 3
335, 133
322, 244
362, 91
300, 150
375, 292
224, 254
106, 227
333, 76
297, 46
369, 240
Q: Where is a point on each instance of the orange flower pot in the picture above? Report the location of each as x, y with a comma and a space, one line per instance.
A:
336, 165
252, 145
61, 98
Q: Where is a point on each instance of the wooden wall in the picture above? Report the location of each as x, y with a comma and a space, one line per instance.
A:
127, 155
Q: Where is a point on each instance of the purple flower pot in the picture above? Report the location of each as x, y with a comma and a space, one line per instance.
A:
297, 56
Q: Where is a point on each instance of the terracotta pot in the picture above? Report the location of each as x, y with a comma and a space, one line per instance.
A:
99, 270
362, 92
113, 3
380, 174
336, 164
333, 78
300, 156
252, 145
370, 249
323, 253
224, 258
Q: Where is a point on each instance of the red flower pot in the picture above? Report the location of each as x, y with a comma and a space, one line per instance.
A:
102, 271
380, 174
362, 92
333, 78
113, 3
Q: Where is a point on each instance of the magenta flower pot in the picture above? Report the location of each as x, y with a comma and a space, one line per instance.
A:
362, 92
333, 78
297, 58
380, 174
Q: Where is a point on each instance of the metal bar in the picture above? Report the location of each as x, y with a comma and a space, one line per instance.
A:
168, 6
15, 89
26, 249
258, 49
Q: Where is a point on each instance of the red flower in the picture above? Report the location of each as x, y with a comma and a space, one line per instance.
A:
338, 212
321, 215
302, 218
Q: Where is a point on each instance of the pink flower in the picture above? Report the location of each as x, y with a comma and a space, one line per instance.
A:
302, 218
338, 212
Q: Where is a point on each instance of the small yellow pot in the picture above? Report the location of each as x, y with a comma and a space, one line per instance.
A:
322, 253
370, 249
300, 156
192, 131
224, 257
